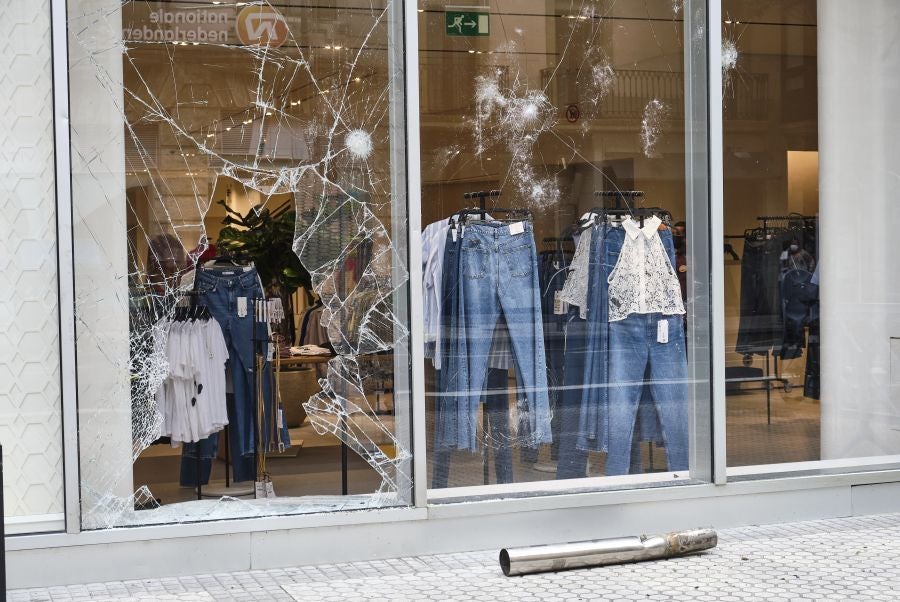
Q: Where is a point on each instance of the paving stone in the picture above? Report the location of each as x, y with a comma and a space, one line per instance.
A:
840, 559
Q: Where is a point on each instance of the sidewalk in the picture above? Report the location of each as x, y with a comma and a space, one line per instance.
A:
841, 559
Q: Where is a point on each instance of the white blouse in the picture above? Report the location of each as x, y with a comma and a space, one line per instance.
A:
643, 280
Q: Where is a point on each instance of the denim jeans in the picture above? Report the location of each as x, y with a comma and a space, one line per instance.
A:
219, 289
553, 266
496, 409
452, 378
760, 325
637, 359
606, 244
499, 276
572, 460
634, 350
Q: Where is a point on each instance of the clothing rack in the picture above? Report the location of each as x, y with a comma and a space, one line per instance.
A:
619, 195
482, 210
192, 296
625, 209
771, 374
481, 195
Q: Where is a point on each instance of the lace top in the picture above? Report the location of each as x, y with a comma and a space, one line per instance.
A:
575, 289
643, 280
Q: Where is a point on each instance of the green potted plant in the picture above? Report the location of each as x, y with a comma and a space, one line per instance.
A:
266, 237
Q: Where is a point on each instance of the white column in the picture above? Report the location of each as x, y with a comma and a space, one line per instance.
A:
30, 413
101, 258
859, 181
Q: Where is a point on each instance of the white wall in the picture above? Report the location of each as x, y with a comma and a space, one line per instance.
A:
859, 142
30, 411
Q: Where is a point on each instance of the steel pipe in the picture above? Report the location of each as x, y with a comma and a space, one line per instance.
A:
616, 550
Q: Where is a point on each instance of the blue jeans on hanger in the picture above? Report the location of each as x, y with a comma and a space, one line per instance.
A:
452, 378
606, 244
219, 290
639, 364
499, 276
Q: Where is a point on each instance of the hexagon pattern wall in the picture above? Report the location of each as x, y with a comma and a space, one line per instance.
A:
30, 411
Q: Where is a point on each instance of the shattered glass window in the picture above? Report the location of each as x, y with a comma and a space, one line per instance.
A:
240, 258
558, 304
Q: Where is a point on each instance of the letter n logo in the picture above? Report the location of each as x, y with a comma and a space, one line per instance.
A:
261, 25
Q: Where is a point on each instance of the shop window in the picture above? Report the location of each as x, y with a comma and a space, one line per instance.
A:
565, 308
240, 258
809, 219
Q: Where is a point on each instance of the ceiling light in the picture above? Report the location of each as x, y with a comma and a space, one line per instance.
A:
228, 129
195, 43
338, 47
248, 121
217, 2
357, 79
210, 135
327, 47
269, 113
471, 52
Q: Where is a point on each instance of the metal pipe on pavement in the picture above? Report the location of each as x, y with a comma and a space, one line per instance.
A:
616, 550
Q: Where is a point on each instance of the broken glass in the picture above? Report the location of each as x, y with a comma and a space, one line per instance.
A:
185, 115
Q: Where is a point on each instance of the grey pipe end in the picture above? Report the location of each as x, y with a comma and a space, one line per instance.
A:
504, 561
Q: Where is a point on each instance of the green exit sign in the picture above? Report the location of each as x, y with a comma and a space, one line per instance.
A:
467, 23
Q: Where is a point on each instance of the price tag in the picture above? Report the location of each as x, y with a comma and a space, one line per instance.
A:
242, 307
516, 228
662, 331
560, 307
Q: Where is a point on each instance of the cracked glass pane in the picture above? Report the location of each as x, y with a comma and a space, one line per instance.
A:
546, 126
240, 258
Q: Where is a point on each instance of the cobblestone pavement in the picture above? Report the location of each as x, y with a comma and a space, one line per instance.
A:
840, 559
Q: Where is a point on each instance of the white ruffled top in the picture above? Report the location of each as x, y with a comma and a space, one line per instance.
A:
643, 280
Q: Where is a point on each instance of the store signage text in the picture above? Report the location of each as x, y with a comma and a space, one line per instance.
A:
262, 25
